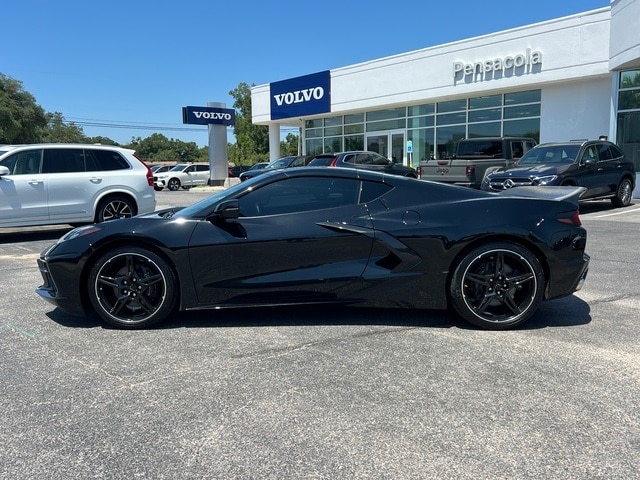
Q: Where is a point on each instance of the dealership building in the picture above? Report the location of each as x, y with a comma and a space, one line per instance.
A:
574, 77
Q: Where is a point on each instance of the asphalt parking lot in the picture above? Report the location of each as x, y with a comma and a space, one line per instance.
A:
326, 393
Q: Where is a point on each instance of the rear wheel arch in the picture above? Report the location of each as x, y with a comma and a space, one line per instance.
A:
495, 239
497, 285
113, 198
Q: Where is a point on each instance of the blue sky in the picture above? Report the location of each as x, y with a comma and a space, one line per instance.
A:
139, 62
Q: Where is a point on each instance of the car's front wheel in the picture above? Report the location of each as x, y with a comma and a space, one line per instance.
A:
623, 194
132, 287
497, 286
114, 207
173, 184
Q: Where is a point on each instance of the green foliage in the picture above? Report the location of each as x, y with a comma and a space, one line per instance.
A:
252, 141
22, 120
58, 131
290, 145
158, 148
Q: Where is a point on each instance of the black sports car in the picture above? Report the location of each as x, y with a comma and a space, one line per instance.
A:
319, 235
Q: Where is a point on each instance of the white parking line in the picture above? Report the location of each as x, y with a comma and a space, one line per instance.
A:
621, 212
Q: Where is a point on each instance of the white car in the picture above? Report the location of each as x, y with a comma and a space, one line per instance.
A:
46, 184
185, 175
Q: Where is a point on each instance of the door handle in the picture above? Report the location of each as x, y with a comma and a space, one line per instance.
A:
35, 182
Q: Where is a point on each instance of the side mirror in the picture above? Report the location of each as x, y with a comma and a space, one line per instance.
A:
228, 210
590, 162
4, 171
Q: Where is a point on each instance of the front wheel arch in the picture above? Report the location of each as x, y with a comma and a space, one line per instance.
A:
131, 287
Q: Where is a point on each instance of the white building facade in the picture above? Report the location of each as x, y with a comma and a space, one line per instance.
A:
570, 78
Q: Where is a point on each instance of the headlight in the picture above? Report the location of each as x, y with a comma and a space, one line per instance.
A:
545, 180
79, 232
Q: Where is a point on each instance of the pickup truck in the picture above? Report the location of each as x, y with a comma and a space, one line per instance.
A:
474, 158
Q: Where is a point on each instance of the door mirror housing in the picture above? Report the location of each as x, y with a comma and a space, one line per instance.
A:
228, 210
4, 171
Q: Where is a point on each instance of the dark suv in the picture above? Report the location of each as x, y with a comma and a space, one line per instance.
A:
598, 165
366, 160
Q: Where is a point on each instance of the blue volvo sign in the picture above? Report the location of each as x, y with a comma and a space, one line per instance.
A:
208, 115
301, 96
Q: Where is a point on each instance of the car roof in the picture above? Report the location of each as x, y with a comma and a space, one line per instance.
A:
64, 145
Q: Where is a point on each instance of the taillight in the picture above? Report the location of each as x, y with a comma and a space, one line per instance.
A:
333, 162
419, 171
471, 171
149, 172
570, 218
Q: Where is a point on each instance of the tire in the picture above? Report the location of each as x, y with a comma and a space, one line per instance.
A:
173, 184
131, 287
623, 194
158, 189
497, 286
114, 207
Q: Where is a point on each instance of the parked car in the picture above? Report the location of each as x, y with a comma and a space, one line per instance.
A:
284, 162
598, 165
236, 170
474, 158
327, 235
45, 184
365, 160
185, 175
160, 168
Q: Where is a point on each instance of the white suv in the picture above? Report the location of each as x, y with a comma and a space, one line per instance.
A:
46, 184
185, 175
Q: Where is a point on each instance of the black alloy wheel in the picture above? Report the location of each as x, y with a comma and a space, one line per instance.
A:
173, 184
497, 286
115, 207
132, 287
623, 194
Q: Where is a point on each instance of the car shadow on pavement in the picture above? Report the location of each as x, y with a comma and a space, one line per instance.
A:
32, 235
569, 311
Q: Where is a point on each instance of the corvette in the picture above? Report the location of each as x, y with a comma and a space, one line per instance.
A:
314, 235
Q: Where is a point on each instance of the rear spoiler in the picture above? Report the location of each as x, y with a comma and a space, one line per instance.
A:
570, 194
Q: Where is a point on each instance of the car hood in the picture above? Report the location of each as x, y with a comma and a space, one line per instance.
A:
532, 170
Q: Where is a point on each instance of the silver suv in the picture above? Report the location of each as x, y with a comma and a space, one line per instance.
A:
46, 184
185, 175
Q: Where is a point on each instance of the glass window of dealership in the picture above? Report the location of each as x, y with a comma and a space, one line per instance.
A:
628, 129
433, 129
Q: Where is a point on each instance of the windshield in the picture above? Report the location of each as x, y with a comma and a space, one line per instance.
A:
552, 154
280, 163
178, 168
206, 203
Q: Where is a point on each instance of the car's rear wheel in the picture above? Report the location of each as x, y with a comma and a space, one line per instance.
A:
132, 287
114, 207
173, 184
623, 194
497, 286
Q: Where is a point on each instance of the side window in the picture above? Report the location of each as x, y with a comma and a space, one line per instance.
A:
23, 163
379, 160
604, 152
615, 151
351, 158
528, 146
63, 160
190, 168
370, 191
590, 153
517, 150
363, 159
101, 160
294, 195
202, 168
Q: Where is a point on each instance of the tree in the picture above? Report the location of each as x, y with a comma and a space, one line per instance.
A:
22, 120
290, 145
252, 140
58, 131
